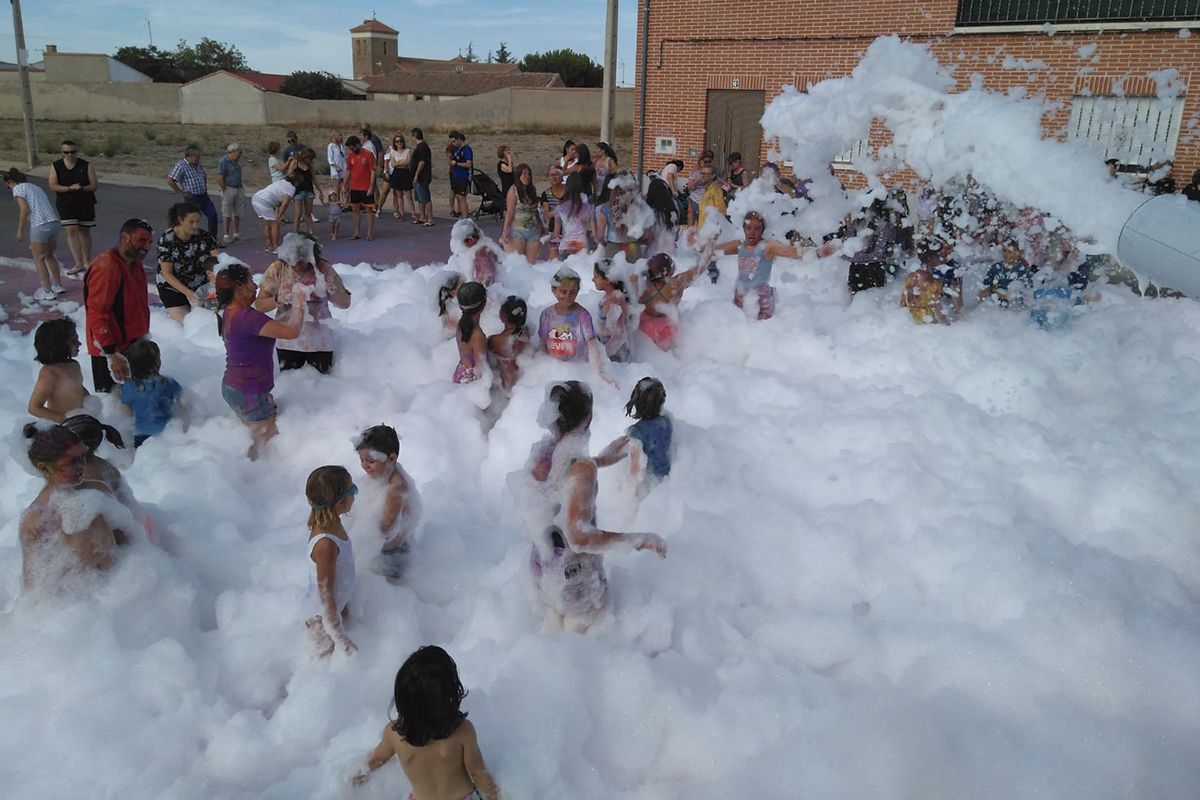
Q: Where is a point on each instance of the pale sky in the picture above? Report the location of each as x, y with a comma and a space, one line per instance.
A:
305, 34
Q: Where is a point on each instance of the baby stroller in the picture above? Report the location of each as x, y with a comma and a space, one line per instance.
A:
491, 201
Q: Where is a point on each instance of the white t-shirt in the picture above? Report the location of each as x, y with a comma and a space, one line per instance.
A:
40, 210
335, 156
670, 174
272, 195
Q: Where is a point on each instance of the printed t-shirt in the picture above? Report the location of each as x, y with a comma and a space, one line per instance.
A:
566, 336
361, 167
152, 400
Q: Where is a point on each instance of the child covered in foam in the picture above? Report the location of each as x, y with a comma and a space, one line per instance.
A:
476, 255
390, 499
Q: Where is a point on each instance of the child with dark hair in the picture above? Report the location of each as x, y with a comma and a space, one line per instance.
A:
662, 202
432, 737
330, 491
392, 497
98, 470
449, 312
472, 342
151, 398
649, 438
505, 347
59, 388
922, 293
660, 298
613, 318
998, 284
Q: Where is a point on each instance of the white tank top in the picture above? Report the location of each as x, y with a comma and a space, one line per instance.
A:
343, 576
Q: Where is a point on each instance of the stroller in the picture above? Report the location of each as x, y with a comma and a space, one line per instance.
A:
491, 201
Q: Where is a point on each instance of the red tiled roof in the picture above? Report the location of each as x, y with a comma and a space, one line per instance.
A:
457, 84
267, 81
373, 26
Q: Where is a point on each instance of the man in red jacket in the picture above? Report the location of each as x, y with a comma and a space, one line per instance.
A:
116, 296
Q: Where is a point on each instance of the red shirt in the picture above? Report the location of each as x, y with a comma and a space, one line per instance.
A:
117, 302
361, 166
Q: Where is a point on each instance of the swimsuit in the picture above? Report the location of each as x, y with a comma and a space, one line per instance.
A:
343, 576
465, 371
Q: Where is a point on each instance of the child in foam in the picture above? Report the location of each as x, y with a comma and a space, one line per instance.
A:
432, 737
614, 312
449, 312
330, 491
567, 557
1009, 281
249, 337
391, 498
69, 532
472, 342
647, 442
756, 259
923, 292
469, 246
300, 265
660, 299
153, 398
565, 329
505, 347
59, 389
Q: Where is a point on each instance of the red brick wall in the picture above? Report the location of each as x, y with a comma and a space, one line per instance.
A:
697, 46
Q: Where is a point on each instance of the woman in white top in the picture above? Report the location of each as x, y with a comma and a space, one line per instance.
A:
35, 209
397, 165
276, 165
335, 156
271, 204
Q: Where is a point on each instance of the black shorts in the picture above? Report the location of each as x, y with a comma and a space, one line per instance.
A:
321, 361
102, 380
171, 298
76, 208
360, 198
460, 185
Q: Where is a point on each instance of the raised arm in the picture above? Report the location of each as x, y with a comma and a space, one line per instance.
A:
289, 328
776, 249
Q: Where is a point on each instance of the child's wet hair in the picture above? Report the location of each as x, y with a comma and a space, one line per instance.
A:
145, 359
52, 340
573, 400
603, 268
326, 487
472, 297
48, 444
515, 311
428, 695
660, 266
565, 275
380, 438
92, 431
647, 399
448, 289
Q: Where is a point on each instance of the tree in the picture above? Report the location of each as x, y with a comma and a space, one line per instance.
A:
576, 69
470, 57
504, 55
315, 86
185, 63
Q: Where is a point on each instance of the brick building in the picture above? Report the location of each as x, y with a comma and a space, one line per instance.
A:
713, 65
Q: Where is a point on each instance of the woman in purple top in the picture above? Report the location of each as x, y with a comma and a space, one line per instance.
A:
249, 337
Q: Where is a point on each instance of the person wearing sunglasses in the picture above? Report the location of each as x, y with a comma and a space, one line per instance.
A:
74, 182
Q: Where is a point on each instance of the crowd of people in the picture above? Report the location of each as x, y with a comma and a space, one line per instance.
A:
936, 240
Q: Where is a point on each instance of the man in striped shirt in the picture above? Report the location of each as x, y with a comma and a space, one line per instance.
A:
189, 180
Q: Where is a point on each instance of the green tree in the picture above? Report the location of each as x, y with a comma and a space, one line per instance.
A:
315, 86
503, 55
186, 62
575, 69
470, 56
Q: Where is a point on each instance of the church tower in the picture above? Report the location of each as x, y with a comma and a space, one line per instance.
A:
374, 48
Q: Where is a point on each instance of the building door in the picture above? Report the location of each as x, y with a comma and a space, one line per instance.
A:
733, 124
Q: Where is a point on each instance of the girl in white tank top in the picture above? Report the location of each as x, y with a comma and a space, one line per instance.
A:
330, 492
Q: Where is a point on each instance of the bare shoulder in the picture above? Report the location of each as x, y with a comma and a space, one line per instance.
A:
583, 469
464, 733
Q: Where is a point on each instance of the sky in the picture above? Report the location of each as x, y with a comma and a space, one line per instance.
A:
306, 34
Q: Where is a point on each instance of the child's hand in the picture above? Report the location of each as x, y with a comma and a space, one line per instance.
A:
348, 647
650, 541
360, 777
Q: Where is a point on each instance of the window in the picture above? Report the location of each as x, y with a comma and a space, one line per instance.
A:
1133, 130
1059, 12
857, 150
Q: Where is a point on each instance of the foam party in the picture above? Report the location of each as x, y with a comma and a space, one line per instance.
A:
777, 540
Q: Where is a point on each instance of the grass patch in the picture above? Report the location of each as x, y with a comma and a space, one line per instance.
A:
115, 146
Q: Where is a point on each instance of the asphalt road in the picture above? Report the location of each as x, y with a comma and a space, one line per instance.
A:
395, 242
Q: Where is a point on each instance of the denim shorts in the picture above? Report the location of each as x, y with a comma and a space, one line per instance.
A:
46, 232
303, 195
249, 407
526, 235
421, 192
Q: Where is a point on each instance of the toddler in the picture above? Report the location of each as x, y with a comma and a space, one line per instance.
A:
333, 210
650, 438
399, 501
330, 492
152, 398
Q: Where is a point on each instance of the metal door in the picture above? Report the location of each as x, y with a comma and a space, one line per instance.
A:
734, 124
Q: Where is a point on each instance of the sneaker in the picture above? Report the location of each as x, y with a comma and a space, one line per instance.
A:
313, 217
58, 288
229, 238
43, 295
237, 237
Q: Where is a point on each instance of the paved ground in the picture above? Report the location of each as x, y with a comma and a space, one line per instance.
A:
394, 242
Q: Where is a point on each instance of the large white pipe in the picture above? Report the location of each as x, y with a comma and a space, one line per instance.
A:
1161, 241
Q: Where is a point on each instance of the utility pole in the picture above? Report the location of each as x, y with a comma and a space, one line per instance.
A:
149, 31
26, 91
608, 101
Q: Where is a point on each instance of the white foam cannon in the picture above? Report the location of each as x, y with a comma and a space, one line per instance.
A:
1161, 241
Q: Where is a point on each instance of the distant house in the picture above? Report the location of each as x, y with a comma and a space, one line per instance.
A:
390, 76
87, 68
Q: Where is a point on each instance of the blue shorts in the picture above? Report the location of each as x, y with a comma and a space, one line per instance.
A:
44, 233
249, 407
527, 235
421, 193
299, 195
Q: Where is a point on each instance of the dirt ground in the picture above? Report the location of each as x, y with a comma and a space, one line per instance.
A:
151, 149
